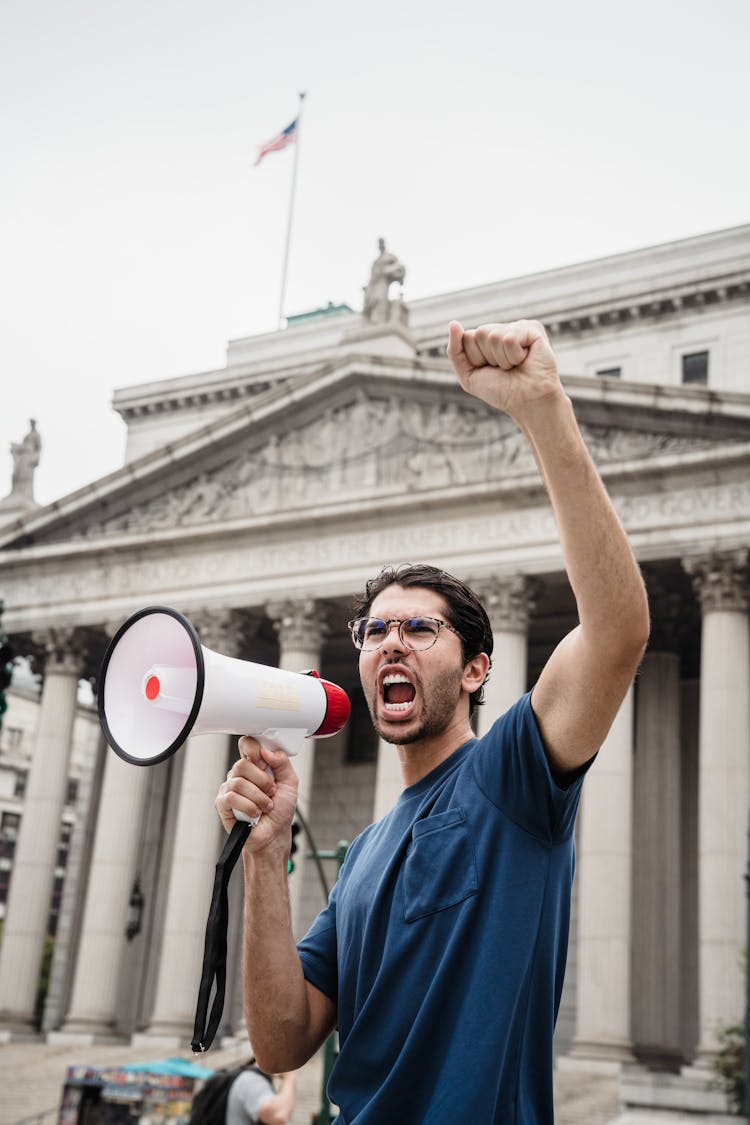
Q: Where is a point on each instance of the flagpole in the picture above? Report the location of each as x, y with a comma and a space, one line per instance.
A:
291, 212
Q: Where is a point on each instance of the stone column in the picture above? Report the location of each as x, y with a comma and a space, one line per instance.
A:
113, 868
509, 603
101, 944
690, 722
604, 885
388, 780
198, 841
657, 862
80, 852
36, 851
301, 627
721, 584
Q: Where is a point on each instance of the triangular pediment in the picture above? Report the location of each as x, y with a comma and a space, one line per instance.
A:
356, 435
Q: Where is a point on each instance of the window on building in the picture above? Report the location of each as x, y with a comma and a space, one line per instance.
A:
4, 887
9, 824
72, 793
695, 368
11, 738
55, 903
20, 784
609, 372
63, 847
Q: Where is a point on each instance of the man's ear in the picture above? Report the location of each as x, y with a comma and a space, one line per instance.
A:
475, 672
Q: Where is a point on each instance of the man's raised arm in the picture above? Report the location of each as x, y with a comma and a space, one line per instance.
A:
513, 368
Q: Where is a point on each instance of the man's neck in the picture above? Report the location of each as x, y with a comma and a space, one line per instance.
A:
422, 756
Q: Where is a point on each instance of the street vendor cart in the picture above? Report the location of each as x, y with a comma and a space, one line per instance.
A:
153, 1093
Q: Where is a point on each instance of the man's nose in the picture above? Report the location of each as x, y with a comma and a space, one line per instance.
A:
393, 641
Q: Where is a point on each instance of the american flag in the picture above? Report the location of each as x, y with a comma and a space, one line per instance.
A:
286, 137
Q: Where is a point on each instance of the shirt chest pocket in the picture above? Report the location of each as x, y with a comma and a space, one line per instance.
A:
440, 869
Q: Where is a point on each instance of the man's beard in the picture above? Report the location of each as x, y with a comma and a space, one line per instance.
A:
437, 710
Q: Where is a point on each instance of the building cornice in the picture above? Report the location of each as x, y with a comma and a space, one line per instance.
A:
627, 311
235, 386
693, 276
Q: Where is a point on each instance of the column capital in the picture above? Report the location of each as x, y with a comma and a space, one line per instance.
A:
720, 580
219, 629
509, 601
301, 624
63, 649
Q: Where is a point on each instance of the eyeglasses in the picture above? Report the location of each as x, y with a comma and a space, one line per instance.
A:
417, 633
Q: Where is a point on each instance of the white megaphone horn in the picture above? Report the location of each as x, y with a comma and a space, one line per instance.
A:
159, 684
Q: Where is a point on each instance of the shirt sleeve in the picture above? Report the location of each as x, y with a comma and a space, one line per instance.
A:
512, 769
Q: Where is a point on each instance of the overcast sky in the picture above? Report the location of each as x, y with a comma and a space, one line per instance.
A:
137, 237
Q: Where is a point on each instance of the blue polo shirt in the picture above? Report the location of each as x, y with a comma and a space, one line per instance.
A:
444, 941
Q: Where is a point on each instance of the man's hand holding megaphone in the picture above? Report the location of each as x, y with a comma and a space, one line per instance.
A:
254, 791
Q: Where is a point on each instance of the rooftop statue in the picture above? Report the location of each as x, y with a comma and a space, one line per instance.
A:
25, 455
378, 308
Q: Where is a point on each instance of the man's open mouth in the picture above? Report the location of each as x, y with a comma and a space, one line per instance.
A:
398, 692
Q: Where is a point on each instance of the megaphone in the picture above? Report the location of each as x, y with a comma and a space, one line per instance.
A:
159, 685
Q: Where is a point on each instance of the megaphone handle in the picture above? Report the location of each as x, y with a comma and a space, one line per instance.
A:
252, 821
215, 947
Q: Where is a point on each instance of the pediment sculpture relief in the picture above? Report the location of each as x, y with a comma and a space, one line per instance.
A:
608, 444
370, 447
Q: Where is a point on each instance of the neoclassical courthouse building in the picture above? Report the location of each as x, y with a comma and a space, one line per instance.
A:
259, 497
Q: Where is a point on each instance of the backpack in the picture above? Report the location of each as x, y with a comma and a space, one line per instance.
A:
210, 1103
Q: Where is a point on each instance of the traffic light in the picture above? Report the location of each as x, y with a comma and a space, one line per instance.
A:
295, 833
7, 656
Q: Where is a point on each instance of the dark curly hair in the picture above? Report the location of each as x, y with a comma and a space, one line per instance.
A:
465, 613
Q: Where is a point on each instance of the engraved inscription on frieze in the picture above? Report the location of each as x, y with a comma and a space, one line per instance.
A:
685, 510
680, 507
368, 447
166, 574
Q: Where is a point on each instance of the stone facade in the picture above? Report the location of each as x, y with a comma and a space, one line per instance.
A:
256, 499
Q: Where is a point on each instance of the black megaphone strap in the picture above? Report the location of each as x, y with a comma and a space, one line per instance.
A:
215, 948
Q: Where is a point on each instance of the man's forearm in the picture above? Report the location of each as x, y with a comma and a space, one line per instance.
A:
275, 992
603, 573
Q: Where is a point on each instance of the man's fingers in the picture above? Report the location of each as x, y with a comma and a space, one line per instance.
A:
249, 748
502, 345
499, 345
250, 786
491, 345
239, 793
255, 774
464, 352
473, 351
455, 350
279, 763
251, 764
